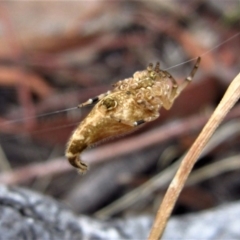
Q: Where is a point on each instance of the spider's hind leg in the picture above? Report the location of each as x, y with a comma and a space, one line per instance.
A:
94, 100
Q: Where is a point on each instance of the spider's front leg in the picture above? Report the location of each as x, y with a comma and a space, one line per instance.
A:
190, 77
177, 89
94, 100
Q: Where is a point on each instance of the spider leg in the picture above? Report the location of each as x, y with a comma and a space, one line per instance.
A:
150, 118
190, 77
130, 123
168, 100
177, 89
174, 86
135, 123
94, 100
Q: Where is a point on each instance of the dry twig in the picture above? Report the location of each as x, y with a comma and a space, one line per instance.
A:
162, 179
229, 99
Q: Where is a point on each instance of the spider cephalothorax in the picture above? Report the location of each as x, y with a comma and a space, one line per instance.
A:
132, 102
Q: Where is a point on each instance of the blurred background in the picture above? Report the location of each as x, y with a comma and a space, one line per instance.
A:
55, 55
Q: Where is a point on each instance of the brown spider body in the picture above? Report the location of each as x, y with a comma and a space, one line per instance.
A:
132, 102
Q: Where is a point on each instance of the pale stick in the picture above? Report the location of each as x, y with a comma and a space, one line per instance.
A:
229, 99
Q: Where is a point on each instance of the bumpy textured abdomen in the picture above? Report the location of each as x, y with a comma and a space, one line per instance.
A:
94, 128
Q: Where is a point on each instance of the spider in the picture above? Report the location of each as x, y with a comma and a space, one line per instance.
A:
132, 102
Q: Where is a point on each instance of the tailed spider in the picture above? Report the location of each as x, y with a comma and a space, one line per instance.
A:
132, 102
